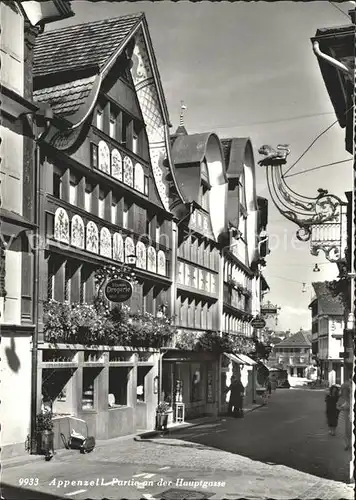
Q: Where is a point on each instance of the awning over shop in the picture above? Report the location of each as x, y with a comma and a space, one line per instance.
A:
247, 359
240, 359
180, 356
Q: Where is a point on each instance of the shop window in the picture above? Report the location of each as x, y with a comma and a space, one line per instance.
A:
89, 388
118, 382
196, 383
57, 185
142, 371
54, 382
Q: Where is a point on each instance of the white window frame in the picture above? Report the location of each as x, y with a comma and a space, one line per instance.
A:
99, 119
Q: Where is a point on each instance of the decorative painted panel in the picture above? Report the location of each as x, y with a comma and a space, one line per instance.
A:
207, 282
104, 157
181, 273
139, 178
161, 263
129, 248
105, 243
118, 247
116, 164
151, 260
128, 171
61, 226
141, 255
77, 233
151, 110
92, 238
187, 275
195, 277
213, 284
201, 279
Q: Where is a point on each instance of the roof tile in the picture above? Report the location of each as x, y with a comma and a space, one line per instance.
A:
81, 46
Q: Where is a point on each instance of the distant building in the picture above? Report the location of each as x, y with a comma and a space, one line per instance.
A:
327, 332
293, 354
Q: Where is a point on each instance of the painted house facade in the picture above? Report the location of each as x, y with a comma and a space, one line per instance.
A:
105, 199
328, 330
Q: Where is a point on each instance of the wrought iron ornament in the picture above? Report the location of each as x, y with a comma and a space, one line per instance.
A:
321, 219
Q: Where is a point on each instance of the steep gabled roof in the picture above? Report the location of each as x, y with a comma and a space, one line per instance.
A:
82, 46
299, 339
327, 304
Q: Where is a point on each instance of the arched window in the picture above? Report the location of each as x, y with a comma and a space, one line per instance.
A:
118, 247
128, 171
139, 178
129, 248
151, 260
104, 157
77, 233
61, 226
141, 255
92, 238
105, 242
116, 164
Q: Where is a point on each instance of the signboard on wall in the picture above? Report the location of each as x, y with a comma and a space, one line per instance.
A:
118, 290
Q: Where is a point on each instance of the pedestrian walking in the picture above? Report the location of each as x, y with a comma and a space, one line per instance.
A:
237, 391
332, 412
344, 405
274, 383
269, 386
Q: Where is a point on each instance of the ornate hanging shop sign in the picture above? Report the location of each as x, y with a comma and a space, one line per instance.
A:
321, 219
118, 290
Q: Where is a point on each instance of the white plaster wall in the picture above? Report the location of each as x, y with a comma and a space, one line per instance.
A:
218, 191
12, 302
12, 48
15, 389
11, 170
336, 327
256, 305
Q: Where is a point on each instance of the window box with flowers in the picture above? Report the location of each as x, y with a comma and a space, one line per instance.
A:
95, 324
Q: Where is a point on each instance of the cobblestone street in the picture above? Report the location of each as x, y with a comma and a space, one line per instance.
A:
279, 451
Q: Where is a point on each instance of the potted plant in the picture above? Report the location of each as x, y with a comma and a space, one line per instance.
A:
162, 411
45, 434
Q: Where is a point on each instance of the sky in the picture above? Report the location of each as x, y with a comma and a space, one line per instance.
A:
248, 70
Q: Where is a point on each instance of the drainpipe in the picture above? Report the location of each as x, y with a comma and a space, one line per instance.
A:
334, 62
35, 308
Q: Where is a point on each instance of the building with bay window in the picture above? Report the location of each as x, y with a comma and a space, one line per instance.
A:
104, 198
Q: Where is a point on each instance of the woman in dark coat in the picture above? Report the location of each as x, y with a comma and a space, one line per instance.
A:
237, 391
332, 413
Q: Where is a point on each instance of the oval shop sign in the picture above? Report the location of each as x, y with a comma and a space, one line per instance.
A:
118, 290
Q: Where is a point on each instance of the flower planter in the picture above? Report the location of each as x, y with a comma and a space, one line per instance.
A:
161, 421
44, 442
